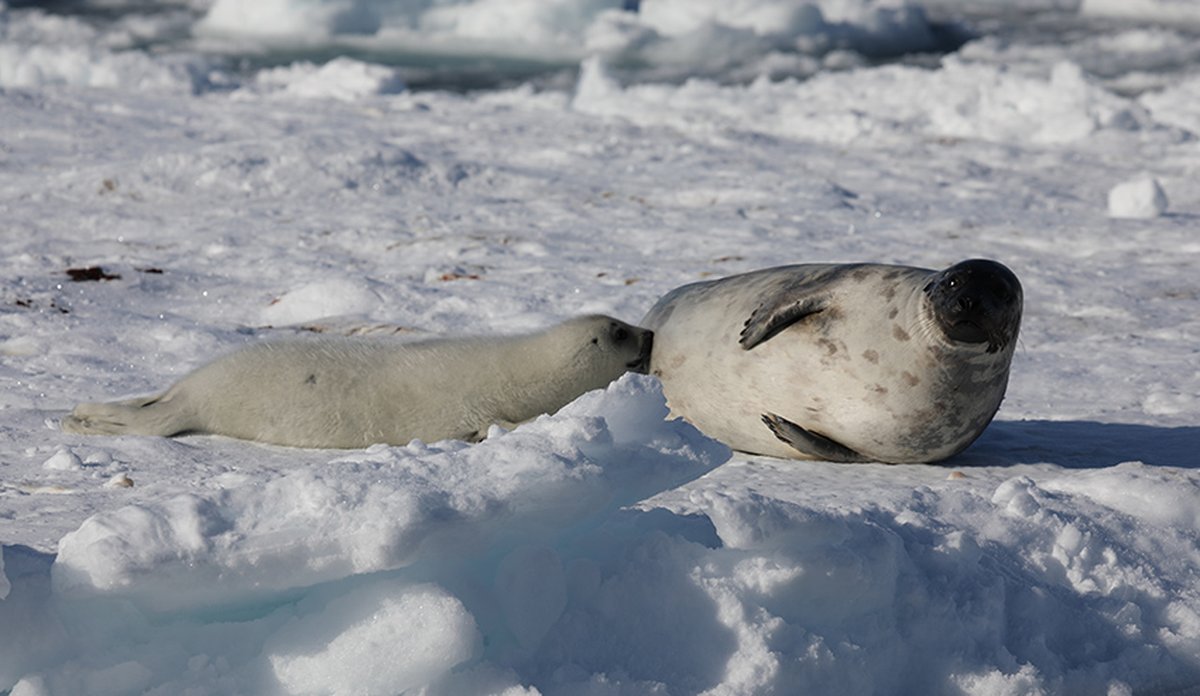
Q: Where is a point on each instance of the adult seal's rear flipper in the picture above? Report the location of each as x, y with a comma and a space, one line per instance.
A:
773, 317
808, 443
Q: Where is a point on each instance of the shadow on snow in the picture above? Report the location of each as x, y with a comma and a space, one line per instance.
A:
1083, 444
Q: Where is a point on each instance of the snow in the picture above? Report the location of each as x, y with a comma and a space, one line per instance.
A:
233, 188
341, 78
1137, 198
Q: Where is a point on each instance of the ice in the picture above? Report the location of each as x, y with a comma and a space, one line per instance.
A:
1177, 105
662, 38
1167, 11
289, 18
962, 100
249, 188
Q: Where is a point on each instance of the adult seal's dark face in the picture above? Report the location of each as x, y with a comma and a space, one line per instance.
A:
977, 302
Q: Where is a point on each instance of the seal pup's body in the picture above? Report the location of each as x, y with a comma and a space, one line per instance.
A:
856, 362
347, 392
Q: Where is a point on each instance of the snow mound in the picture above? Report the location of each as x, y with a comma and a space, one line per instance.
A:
383, 639
902, 601
329, 298
1140, 198
374, 511
342, 78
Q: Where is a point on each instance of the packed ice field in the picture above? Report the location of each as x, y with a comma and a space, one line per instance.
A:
178, 180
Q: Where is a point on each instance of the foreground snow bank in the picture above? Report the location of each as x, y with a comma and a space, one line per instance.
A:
512, 567
871, 589
310, 582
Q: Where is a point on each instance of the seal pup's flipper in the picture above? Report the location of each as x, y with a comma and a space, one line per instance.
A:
809, 443
771, 318
147, 415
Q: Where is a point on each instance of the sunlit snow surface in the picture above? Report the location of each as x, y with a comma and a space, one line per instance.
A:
603, 549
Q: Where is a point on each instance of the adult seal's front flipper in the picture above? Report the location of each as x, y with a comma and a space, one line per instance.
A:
773, 317
808, 443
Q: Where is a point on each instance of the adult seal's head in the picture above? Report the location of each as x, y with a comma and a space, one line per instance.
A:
841, 362
977, 302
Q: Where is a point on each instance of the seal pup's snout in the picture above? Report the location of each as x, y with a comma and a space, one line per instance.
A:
646, 345
977, 301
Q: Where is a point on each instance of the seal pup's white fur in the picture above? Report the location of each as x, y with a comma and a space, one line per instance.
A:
853, 362
347, 392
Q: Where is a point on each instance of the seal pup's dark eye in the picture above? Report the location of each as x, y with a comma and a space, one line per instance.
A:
621, 334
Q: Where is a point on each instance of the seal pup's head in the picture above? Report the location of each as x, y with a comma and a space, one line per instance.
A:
620, 343
977, 302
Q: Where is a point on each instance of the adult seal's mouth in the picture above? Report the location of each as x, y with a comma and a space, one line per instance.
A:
977, 302
967, 331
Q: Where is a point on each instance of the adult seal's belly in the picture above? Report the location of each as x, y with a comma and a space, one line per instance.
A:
854, 362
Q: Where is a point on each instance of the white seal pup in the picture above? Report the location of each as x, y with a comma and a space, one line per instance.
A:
348, 393
854, 362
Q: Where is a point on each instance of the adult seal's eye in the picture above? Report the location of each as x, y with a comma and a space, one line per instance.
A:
621, 334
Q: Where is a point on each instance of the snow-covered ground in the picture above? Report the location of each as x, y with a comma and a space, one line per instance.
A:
231, 185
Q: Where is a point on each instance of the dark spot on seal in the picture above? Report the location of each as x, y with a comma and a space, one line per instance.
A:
860, 274
911, 379
899, 333
595, 341
312, 379
871, 356
893, 312
879, 389
889, 292
829, 346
